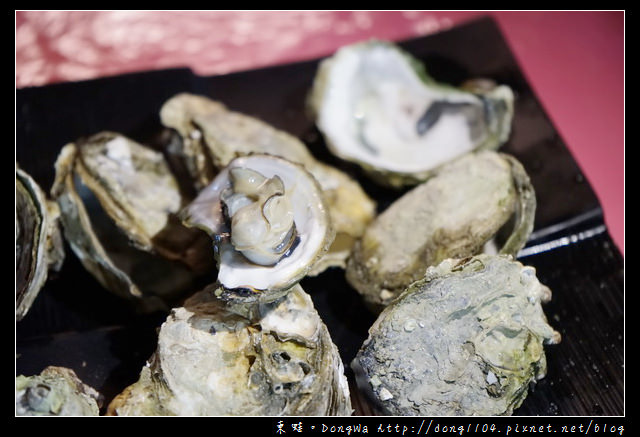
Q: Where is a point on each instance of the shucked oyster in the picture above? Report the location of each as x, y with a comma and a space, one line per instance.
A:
211, 361
57, 391
269, 224
482, 201
209, 136
467, 339
118, 201
39, 246
376, 106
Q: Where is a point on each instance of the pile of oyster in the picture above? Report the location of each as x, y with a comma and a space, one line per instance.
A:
220, 223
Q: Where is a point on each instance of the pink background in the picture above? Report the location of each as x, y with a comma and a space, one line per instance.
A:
573, 60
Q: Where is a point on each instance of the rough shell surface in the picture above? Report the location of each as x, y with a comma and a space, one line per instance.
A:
481, 201
119, 203
57, 391
278, 361
465, 340
312, 225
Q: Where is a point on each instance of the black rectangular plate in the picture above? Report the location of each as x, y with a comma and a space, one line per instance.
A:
77, 324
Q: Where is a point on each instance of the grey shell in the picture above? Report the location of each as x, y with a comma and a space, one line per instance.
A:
481, 202
119, 202
275, 360
56, 391
39, 245
465, 340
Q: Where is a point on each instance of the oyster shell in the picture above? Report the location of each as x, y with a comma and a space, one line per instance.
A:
467, 339
119, 204
269, 224
39, 245
377, 107
57, 391
209, 136
481, 201
188, 149
212, 361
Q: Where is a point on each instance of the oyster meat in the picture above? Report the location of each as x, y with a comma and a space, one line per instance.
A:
119, 203
213, 361
39, 245
467, 339
56, 391
480, 202
207, 136
376, 106
268, 221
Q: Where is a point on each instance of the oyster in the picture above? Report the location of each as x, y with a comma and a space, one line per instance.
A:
467, 339
39, 245
57, 391
188, 150
119, 204
376, 106
208, 136
269, 224
212, 361
481, 201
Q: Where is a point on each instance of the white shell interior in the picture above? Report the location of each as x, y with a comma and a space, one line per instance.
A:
234, 271
374, 100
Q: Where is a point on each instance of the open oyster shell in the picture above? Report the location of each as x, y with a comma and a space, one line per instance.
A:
377, 107
467, 339
119, 204
481, 201
209, 136
249, 199
39, 245
57, 391
212, 361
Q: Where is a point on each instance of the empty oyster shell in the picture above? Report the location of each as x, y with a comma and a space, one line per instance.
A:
209, 136
467, 339
376, 106
119, 204
269, 224
481, 201
211, 361
57, 391
39, 245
